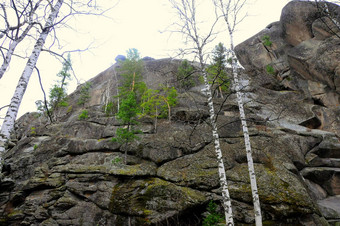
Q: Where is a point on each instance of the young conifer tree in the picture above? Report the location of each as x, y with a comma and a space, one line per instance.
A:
58, 93
218, 69
131, 91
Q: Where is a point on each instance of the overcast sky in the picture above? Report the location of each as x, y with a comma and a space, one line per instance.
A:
130, 24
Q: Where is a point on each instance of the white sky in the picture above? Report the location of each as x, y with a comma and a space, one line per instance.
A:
133, 24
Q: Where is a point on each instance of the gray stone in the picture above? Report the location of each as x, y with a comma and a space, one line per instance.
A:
330, 207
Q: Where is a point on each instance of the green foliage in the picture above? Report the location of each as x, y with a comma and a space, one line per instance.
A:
57, 97
217, 71
270, 69
230, 60
116, 160
170, 99
84, 93
131, 71
126, 135
128, 109
35, 146
151, 103
58, 93
130, 94
33, 132
83, 115
127, 114
69, 109
266, 41
185, 77
213, 218
158, 103
110, 108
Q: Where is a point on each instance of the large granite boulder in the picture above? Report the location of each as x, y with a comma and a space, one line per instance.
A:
304, 54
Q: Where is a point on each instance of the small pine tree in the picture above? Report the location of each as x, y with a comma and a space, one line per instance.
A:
266, 41
217, 71
127, 114
84, 93
58, 94
213, 218
185, 75
131, 71
128, 109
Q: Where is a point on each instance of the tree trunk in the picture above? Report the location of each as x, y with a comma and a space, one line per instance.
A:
256, 200
17, 40
187, 15
221, 169
8, 57
12, 111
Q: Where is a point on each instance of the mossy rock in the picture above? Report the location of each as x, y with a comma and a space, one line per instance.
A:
153, 199
143, 169
199, 169
279, 190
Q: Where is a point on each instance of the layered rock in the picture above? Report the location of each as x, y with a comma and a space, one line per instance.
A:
71, 173
303, 90
305, 55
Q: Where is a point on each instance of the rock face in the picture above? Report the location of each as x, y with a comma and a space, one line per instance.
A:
305, 56
71, 173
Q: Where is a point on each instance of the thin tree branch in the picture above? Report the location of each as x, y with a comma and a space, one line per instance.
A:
45, 100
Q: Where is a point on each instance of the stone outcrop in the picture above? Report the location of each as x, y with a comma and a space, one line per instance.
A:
71, 173
305, 55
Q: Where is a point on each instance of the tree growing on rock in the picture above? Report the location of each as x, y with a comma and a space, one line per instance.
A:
84, 93
185, 75
127, 114
28, 25
130, 94
131, 72
12, 111
217, 71
158, 103
188, 26
229, 10
58, 94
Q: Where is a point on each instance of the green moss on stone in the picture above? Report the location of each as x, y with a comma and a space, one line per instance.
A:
149, 197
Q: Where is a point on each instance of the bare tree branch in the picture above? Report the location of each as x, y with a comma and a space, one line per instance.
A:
45, 99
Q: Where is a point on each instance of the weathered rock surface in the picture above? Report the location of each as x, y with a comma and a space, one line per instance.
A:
305, 55
71, 173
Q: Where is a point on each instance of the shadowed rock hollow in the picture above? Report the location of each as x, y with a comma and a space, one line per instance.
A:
66, 173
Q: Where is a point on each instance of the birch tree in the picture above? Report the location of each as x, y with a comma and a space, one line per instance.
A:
230, 11
188, 26
12, 111
16, 28
54, 19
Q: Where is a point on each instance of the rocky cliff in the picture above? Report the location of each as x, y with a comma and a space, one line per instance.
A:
66, 173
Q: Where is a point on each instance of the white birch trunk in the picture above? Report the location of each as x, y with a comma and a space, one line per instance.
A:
16, 41
11, 50
253, 184
227, 11
8, 57
221, 169
8, 123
